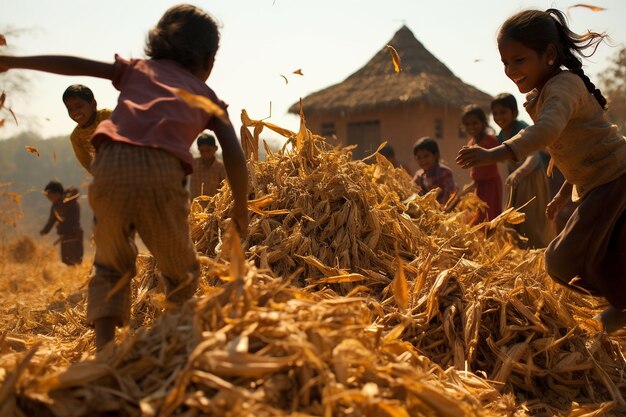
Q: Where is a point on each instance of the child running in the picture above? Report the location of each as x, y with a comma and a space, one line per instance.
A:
432, 173
487, 182
567, 109
65, 213
527, 179
82, 108
142, 159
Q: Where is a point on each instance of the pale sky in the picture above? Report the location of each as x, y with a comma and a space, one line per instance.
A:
264, 39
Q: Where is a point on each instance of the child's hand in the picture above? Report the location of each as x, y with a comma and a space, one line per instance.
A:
513, 180
472, 156
240, 217
554, 206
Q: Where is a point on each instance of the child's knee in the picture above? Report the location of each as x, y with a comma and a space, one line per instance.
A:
559, 267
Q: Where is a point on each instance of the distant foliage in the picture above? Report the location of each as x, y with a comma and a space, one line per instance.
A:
613, 82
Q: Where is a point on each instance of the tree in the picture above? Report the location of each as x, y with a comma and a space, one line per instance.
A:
613, 82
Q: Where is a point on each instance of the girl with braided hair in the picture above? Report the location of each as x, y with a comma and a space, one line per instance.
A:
541, 56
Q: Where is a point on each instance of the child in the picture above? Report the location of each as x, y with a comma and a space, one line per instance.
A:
567, 109
66, 211
487, 182
142, 159
83, 109
432, 173
208, 172
527, 180
388, 152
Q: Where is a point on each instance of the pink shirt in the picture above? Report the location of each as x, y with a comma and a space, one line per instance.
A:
149, 114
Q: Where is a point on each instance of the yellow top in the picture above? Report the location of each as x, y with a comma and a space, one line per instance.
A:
81, 139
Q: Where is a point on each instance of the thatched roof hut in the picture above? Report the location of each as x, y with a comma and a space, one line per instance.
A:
423, 79
376, 104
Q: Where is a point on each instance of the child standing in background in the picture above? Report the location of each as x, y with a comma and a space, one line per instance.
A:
432, 173
388, 152
142, 160
65, 211
83, 109
527, 180
589, 255
487, 182
208, 172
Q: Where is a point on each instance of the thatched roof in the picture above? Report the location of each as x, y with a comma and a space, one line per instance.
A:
423, 78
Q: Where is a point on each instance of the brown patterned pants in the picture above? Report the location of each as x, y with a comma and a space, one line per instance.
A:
138, 189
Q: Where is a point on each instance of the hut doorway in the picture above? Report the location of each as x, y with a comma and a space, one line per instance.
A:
366, 135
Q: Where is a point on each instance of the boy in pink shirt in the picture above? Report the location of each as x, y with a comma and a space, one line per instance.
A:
142, 160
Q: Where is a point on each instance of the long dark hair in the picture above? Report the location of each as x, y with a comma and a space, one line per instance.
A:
185, 34
536, 30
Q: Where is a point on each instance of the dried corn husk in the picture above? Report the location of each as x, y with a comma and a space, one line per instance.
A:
353, 296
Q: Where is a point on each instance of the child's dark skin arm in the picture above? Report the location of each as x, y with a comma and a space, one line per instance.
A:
58, 64
473, 156
51, 220
559, 201
236, 171
529, 165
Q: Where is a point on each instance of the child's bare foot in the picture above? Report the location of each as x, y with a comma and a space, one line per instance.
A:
612, 319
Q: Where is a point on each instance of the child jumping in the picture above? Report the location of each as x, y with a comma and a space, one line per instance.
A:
142, 159
527, 179
486, 179
567, 109
82, 108
432, 173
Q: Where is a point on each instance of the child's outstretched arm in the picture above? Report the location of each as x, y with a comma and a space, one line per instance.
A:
473, 156
530, 164
58, 64
236, 172
51, 220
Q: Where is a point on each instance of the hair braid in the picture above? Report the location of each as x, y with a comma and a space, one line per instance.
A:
576, 66
570, 43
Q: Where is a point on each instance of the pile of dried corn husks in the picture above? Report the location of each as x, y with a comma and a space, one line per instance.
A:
354, 296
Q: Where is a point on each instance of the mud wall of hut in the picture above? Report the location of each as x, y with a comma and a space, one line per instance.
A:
401, 126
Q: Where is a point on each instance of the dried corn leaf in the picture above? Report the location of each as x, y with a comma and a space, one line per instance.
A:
587, 6
395, 58
269, 343
33, 150
399, 285
203, 103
